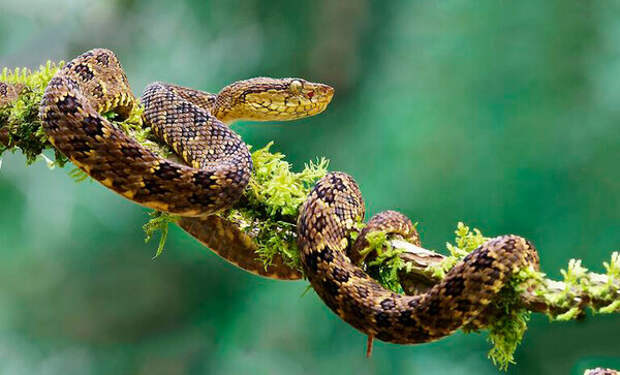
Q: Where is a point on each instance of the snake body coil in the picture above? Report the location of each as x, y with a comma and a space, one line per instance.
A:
219, 163
333, 207
217, 169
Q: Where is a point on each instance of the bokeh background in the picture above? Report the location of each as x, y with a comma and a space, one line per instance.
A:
502, 114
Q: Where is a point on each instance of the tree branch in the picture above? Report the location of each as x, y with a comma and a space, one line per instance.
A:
561, 300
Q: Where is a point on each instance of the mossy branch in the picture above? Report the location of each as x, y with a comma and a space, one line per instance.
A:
561, 300
268, 210
418, 269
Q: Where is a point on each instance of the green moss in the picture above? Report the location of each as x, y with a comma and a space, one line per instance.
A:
579, 283
465, 241
611, 308
21, 119
576, 283
386, 263
158, 223
506, 330
609, 291
274, 238
613, 267
505, 334
574, 273
571, 314
269, 207
277, 190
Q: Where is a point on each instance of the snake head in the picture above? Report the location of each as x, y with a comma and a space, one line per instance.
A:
272, 99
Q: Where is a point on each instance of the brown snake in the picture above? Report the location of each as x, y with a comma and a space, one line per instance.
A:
333, 207
218, 168
219, 163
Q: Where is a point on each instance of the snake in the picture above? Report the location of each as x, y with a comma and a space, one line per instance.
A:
325, 221
217, 164
215, 168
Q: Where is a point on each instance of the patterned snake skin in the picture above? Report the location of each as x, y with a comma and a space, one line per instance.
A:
218, 168
219, 163
329, 213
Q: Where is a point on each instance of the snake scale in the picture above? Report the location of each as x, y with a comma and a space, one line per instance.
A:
217, 169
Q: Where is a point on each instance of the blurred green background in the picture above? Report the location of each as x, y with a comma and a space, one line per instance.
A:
504, 115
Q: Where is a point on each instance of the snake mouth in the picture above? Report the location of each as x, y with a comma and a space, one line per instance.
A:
326, 91
313, 100
318, 99
326, 94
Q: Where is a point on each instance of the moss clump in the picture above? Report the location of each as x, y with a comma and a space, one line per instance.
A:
609, 291
158, 223
466, 241
580, 284
274, 237
384, 263
275, 189
20, 120
506, 329
506, 333
269, 207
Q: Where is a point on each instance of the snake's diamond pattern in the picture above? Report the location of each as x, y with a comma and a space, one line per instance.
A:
324, 221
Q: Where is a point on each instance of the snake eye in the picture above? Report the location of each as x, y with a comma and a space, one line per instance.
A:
295, 86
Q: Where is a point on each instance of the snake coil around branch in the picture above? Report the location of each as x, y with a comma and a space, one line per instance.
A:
210, 169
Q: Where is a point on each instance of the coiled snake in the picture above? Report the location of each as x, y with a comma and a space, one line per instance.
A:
218, 168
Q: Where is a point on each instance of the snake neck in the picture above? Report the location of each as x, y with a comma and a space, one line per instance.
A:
223, 108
